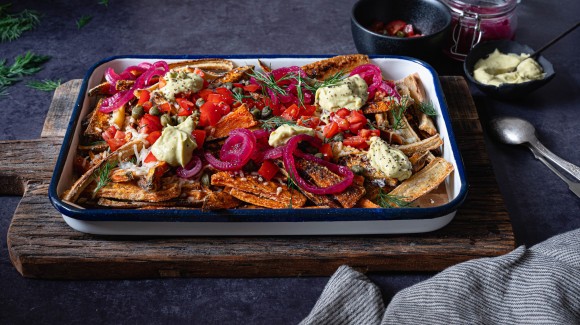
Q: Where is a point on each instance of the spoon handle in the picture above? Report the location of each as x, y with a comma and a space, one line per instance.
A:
573, 186
544, 152
535, 54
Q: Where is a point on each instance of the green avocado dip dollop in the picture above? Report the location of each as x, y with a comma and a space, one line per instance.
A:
176, 144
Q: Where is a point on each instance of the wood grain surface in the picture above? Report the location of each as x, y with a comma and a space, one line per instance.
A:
41, 245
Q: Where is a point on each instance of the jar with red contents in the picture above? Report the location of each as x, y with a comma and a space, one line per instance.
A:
475, 21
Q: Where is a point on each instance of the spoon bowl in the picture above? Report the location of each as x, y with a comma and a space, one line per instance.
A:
513, 130
506, 91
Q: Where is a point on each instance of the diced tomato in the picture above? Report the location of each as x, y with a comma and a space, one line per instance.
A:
185, 107
356, 142
153, 136
149, 123
165, 107
309, 122
239, 85
227, 96
150, 158
199, 72
330, 130
291, 113
268, 170
408, 30
395, 26
355, 127
343, 124
251, 88
199, 136
147, 105
114, 138
224, 108
204, 93
109, 133
120, 135
210, 114
144, 96
356, 117
115, 144
326, 151
343, 112
367, 134
307, 110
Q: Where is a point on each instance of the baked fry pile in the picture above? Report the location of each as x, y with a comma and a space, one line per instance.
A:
205, 134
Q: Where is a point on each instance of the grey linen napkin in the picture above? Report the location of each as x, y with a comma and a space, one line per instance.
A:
539, 285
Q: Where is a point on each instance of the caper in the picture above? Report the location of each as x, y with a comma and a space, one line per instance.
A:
165, 120
338, 137
319, 155
181, 119
154, 111
205, 180
228, 85
199, 102
238, 90
357, 169
400, 34
266, 112
137, 112
256, 112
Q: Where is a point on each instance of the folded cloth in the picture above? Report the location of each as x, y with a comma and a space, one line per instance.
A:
540, 285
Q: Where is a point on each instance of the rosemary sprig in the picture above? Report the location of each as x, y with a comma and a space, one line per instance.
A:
239, 97
274, 122
388, 201
13, 25
44, 85
428, 108
103, 176
24, 65
83, 21
104, 3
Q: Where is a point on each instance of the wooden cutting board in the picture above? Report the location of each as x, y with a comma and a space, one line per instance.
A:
41, 245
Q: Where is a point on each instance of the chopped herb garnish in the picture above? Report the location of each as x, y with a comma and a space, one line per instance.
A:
13, 25
428, 108
388, 201
44, 85
332, 80
290, 184
239, 96
267, 80
83, 21
275, 122
399, 112
24, 65
103, 176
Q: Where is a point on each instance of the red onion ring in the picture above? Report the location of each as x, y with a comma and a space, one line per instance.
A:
119, 99
236, 151
192, 168
290, 165
373, 76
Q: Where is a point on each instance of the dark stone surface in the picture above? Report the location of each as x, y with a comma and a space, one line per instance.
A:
539, 203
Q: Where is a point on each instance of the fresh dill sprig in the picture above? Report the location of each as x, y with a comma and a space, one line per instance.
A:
388, 201
239, 97
314, 85
428, 108
290, 184
103, 176
104, 3
399, 112
83, 21
267, 80
13, 25
274, 122
24, 65
44, 85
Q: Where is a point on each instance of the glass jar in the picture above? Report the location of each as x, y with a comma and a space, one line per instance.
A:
475, 21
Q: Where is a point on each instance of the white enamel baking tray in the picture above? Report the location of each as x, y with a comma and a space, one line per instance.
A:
266, 221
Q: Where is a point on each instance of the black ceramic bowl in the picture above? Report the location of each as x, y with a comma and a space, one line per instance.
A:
429, 17
506, 91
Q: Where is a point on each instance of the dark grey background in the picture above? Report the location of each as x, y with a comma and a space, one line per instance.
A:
539, 203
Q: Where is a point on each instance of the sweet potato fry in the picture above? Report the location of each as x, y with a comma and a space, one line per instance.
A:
326, 68
240, 118
431, 143
424, 181
132, 192
234, 75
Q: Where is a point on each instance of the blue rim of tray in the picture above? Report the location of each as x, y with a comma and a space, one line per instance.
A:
251, 215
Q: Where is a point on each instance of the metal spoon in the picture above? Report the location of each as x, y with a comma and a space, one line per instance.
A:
513, 130
573, 186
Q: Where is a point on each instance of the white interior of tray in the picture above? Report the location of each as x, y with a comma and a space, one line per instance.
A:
392, 68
